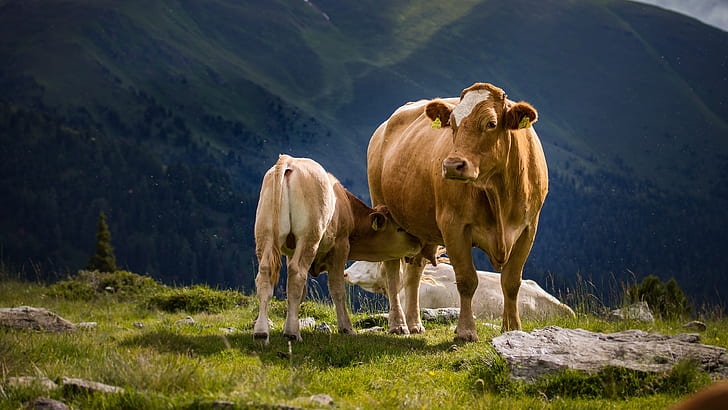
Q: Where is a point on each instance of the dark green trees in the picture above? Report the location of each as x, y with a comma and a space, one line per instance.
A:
103, 260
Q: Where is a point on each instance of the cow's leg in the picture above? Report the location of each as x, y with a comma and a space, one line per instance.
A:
298, 266
511, 279
459, 248
412, 276
337, 288
391, 273
264, 289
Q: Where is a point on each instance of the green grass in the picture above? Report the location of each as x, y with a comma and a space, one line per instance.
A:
168, 365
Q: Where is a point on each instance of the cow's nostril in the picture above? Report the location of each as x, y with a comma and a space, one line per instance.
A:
454, 165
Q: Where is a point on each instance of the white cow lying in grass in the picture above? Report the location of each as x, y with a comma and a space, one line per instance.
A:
438, 290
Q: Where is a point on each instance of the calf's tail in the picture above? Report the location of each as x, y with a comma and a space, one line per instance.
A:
277, 203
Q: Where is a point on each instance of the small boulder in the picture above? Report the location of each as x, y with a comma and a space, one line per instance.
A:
442, 315
44, 403
695, 326
324, 327
85, 385
373, 329
639, 311
189, 320
26, 317
307, 322
321, 400
28, 381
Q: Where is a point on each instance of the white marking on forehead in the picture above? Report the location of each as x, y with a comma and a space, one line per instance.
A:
466, 105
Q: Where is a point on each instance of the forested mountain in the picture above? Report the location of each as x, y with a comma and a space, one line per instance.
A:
165, 115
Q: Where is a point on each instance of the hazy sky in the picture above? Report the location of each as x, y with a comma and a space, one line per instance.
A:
713, 12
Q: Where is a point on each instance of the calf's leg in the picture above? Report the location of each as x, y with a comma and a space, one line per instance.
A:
392, 276
298, 267
338, 291
264, 288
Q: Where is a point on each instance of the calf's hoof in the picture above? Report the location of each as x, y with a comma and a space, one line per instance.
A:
399, 330
347, 331
293, 338
417, 329
261, 337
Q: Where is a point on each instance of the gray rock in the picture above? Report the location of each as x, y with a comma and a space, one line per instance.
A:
189, 320
321, 400
373, 329
695, 326
492, 326
85, 385
26, 317
307, 322
442, 315
138, 325
44, 403
531, 355
639, 311
87, 325
30, 381
324, 327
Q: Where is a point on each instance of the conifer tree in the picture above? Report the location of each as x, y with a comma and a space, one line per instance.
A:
103, 260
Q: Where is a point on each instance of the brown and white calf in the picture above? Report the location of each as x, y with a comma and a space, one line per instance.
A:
307, 215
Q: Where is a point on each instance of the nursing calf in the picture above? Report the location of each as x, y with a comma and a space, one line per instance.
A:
306, 214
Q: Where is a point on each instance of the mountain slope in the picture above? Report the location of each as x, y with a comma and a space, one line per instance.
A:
631, 100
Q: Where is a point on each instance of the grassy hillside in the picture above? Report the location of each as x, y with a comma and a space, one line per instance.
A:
138, 345
191, 101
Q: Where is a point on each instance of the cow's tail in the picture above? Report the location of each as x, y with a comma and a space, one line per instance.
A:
276, 204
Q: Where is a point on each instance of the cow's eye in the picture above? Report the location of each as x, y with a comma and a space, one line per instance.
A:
490, 125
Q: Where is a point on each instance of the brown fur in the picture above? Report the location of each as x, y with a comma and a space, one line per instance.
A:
477, 184
713, 397
439, 109
516, 114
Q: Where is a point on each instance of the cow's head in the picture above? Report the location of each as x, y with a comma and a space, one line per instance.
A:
482, 124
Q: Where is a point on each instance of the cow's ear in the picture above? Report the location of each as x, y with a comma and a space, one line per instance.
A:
379, 221
520, 115
439, 113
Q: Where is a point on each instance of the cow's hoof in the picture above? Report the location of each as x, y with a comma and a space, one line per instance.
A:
261, 337
467, 336
399, 330
347, 331
417, 329
293, 338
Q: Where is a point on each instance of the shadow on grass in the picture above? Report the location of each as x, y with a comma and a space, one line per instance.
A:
318, 349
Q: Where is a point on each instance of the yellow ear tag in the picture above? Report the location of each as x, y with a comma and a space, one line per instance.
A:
525, 123
436, 124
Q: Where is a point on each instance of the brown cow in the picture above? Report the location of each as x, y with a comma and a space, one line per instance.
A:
461, 172
306, 214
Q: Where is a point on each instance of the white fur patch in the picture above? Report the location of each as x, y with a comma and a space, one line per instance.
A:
466, 105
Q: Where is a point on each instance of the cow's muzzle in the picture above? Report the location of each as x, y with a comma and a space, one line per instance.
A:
458, 169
